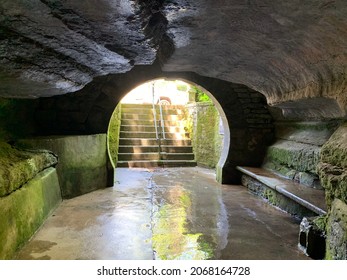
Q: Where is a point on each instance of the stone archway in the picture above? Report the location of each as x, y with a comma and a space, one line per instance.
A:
244, 111
217, 108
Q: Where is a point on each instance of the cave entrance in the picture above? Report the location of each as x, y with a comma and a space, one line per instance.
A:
168, 123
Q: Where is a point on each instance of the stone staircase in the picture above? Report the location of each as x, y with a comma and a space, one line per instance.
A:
139, 145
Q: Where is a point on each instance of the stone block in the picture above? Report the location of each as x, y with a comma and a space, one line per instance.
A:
294, 155
24, 211
337, 231
20, 166
82, 164
273, 197
332, 167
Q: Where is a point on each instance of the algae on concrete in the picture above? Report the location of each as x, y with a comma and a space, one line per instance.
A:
19, 166
332, 170
204, 128
82, 164
24, 211
297, 156
113, 135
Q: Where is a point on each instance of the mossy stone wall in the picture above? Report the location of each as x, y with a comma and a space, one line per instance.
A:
336, 230
296, 152
113, 135
83, 161
24, 210
332, 167
332, 170
203, 124
18, 167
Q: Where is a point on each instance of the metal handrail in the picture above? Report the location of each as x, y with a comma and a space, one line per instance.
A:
162, 119
154, 113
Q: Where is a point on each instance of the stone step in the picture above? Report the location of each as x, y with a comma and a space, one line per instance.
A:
297, 199
155, 149
154, 141
179, 123
138, 146
141, 110
137, 156
153, 164
151, 128
155, 156
150, 106
148, 135
151, 117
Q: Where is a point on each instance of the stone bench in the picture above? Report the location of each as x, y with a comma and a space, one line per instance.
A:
296, 199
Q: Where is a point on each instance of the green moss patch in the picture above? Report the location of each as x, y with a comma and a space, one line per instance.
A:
82, 164
204, 131
297, 156
337, 231
113, 135
18, 166
24, 211
332, 168
334, 151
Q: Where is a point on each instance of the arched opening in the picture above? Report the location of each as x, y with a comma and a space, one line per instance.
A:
244, 113
202, 117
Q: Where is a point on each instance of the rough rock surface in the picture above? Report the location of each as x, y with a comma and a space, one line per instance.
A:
51, 47
293, 52
337, 231
18, 167
296, 153
332, 168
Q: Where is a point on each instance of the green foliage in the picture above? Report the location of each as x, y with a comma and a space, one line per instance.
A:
200, 96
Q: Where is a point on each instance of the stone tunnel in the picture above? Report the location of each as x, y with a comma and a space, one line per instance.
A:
276, 69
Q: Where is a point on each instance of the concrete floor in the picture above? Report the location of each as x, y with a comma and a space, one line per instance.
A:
176, 213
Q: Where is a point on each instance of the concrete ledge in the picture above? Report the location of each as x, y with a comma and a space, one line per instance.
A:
83, 161
24, 211
311, 199
19, 166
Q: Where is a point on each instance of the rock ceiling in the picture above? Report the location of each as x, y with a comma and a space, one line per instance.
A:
294, 52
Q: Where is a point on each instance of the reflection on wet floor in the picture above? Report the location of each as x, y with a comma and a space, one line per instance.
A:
185, 224
176, 213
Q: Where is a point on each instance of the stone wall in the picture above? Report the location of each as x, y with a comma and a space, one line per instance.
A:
296, 152
16, 118
332, 170
113, 135
83, 161
24, 210
88, 111
204, 131
20, 166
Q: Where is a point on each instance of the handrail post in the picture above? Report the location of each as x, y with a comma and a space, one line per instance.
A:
162, 119
154, 113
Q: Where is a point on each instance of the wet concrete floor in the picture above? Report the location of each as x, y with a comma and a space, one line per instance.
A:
176, 213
